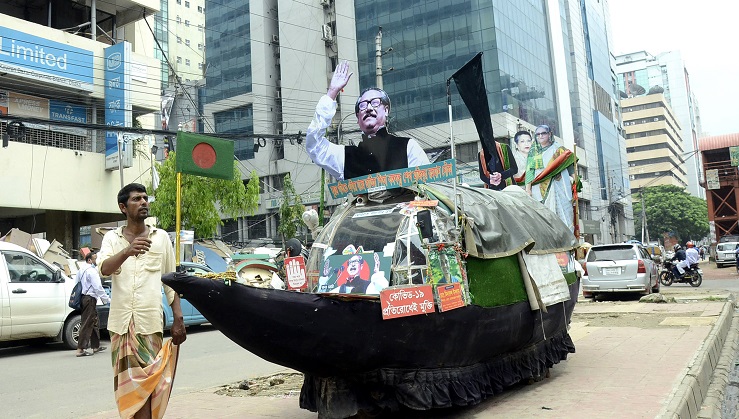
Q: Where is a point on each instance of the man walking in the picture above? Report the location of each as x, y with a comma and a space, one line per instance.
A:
135, 256
92, 289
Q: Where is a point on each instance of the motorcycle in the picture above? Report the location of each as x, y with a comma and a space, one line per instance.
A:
692, 275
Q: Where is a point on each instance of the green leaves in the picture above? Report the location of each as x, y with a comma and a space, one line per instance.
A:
672, 211
204, 200
291, 210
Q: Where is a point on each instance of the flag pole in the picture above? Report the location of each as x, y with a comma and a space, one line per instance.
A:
451, 139
177, 218
577, 197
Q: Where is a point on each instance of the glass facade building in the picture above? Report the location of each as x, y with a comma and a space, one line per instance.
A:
237, 121
228, 53
431, 39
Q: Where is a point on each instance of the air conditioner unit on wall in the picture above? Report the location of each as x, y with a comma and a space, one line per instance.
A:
326, 33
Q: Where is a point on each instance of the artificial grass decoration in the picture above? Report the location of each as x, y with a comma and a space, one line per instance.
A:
495, 282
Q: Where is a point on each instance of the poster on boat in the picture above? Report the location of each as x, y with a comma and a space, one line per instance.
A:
295, 273
407, 300
358, 273
450, 296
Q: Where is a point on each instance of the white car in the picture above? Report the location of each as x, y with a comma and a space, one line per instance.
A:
34, 297
725, 255
625, 267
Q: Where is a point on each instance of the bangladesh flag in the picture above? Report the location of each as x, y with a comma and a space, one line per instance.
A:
201, 155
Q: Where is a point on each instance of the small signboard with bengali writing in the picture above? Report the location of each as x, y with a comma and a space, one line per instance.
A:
409, 300
450, 296
295, 272
401, 178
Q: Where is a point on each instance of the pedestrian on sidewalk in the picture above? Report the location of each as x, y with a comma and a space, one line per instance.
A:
136, 256
92, 289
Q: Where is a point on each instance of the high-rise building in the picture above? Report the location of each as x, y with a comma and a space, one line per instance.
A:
653, 143
640, 73
545, 62
67, 74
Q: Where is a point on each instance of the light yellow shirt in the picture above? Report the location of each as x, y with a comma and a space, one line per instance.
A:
137, 286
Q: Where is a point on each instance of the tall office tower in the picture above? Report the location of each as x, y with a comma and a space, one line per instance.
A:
640, 73
653, 141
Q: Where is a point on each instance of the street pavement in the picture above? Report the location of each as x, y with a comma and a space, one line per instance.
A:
633, 360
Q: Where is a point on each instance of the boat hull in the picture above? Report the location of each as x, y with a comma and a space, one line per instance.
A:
344, 347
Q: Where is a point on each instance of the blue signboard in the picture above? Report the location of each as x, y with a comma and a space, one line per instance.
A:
40, 59
117, 97
63, 111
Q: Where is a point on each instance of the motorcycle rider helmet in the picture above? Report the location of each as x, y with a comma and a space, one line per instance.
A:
690, 244
676, 247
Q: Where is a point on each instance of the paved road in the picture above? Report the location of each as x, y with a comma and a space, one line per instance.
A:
47, 381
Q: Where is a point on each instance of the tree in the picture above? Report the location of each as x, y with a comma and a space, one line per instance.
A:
199, 196
673, 211
291, 210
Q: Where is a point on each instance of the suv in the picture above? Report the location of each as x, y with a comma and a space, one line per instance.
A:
725, 254
624, 267
34, 297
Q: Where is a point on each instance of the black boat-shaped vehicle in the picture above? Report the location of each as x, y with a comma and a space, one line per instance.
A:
503, 284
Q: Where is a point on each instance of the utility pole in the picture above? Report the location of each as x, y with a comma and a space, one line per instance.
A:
378, 58
644, 228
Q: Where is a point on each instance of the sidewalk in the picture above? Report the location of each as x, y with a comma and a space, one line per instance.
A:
657, 364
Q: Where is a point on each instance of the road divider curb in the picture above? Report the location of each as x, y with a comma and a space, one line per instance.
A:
687, 398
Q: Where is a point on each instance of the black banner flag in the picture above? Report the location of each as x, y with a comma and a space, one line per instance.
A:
471, 87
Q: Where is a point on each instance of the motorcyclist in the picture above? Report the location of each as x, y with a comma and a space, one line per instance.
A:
692, 256
679, 258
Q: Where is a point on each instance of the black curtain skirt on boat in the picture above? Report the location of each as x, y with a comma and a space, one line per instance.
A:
390, 389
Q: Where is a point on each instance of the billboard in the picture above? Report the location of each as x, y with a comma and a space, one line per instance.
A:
35, 58
118, 111
68, 112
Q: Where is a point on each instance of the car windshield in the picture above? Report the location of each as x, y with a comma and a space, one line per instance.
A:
726, 247
611, 253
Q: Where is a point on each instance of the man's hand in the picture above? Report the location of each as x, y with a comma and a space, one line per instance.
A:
339, 80
178, 332
495, 178
140, 245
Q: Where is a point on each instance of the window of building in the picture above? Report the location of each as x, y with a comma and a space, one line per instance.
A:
179, 19
200, 9
187, 4
200, 28
179, 1
187, 42
179, 60
200, 47
179, 40
200, 66
187, 62
187, 23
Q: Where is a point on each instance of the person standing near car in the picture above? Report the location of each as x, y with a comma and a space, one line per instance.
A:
135, 256
92, 289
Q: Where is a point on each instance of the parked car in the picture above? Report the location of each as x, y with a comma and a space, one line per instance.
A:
625, 267
191, 315
725, 255
34, 297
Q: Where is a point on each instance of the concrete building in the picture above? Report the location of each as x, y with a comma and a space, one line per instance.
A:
544, 62
66, 74
640, 73
653, 143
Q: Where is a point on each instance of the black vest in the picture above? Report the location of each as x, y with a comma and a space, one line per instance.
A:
377, 154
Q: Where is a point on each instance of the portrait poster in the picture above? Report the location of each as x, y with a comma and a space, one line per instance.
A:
444, 267
359, 273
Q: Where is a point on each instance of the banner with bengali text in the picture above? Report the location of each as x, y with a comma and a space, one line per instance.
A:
392, 179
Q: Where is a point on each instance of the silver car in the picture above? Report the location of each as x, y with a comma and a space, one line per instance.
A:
622, 267
725, 255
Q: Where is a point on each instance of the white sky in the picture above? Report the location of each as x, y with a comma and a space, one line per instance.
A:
706, 33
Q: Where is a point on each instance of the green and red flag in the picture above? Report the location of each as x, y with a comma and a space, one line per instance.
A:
202, 155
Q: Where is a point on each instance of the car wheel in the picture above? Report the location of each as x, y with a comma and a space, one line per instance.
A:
71, 334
